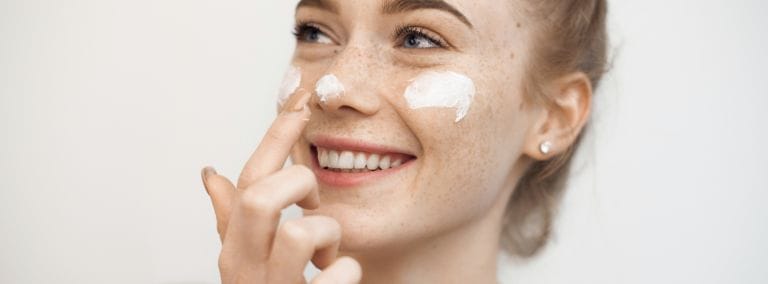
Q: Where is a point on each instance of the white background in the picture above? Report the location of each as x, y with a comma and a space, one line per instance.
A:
108, 110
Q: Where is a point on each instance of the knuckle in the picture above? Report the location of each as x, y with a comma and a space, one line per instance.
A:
258, 205
333, 224
301, 169
303, 172
293, 232
245, 179
328, 222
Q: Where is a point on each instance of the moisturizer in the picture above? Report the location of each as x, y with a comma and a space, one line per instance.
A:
329, 87
291, 82
441, 89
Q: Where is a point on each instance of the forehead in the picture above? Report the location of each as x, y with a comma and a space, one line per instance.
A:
467, 11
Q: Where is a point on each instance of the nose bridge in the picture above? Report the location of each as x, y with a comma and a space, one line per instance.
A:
356, 66
357, 61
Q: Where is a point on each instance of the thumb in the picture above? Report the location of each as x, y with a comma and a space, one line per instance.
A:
222, 193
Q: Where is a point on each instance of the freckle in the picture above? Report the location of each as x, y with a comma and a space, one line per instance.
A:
512, 55
335, 51
519, 25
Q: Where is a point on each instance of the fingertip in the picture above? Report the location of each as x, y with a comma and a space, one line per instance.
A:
352, 263
312, 200
220, 190
220, 184
298, 103
303, 101
205, 173
302, 170
344, 270
353, 270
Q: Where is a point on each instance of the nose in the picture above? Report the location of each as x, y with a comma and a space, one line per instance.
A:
355, 68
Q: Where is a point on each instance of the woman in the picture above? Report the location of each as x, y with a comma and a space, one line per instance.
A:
426, 135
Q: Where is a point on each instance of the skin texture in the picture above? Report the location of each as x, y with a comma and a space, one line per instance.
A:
441, 214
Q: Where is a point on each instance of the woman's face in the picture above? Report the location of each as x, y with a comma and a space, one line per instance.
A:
451, 174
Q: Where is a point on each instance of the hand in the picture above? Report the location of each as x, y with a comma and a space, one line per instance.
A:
255, 247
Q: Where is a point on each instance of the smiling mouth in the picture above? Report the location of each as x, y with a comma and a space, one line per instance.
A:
350, 161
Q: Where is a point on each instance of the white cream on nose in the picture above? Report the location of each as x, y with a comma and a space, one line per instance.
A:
329, 87
441, 89
291, 82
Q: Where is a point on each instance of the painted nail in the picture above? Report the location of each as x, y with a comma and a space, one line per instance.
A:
205, 174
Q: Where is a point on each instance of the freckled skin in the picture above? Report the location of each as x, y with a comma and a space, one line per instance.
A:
465, 171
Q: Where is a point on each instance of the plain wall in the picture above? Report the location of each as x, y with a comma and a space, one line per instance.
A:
109, 109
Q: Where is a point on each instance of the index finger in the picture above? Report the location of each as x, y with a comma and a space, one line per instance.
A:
276, 145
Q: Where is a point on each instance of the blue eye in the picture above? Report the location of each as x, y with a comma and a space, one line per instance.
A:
417, 38
418, 41
307, 32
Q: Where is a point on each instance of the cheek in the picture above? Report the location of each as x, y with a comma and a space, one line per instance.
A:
441, 90
291, 82
467, 164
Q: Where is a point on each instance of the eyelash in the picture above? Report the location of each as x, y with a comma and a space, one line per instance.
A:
301, 30
402, 32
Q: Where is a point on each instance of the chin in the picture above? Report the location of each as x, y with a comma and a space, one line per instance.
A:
366, 230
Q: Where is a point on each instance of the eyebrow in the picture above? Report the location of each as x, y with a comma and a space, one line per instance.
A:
320, 4
394, 7
401, 6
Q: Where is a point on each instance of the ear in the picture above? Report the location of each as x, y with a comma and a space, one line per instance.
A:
564, 112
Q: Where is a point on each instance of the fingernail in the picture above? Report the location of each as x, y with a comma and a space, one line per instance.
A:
205, 174
301, 103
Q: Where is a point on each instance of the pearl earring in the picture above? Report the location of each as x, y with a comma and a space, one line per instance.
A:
545, 147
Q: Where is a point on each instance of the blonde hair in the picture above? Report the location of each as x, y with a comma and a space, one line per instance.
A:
570, 37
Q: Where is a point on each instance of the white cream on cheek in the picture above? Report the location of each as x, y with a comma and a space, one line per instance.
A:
291, 82
329, 87
441, 89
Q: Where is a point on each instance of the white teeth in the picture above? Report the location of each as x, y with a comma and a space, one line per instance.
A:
333, 159
355, 162
384, 163
360, 161
346, 160
323, 158
373, 162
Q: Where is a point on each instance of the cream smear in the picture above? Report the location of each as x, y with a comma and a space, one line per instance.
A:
441, 89
329, 87
291, 82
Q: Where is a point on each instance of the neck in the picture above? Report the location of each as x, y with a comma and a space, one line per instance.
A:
467, 254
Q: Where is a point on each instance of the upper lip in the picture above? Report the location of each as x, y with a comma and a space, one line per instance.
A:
356, 145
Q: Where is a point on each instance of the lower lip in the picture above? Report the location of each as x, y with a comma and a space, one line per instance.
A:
346, 180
